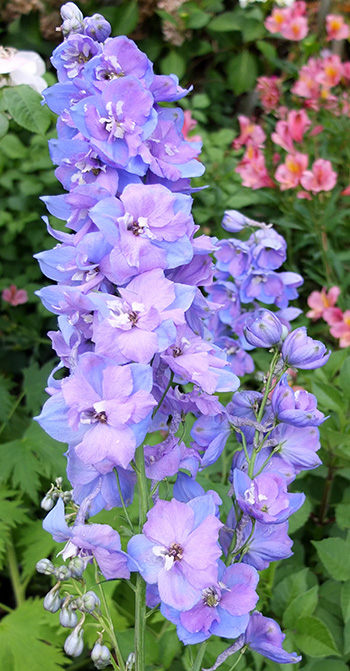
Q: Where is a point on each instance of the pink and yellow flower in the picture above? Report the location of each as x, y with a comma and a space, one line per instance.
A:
289, 173
341, 329
319, 301
336, 28
320, 178
251, 133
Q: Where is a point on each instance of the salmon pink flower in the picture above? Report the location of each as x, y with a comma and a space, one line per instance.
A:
251, 133
253, 169
320, 178
341, 329
298, 123
336, 28
295, 29
289, 173
277, 20
14, 296
318, 301
283, 136
269, 89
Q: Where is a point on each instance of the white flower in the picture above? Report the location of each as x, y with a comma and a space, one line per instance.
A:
21, 67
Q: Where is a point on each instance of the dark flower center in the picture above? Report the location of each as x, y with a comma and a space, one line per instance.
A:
100, 417
175, 550
177, 351
133, 317
211, 597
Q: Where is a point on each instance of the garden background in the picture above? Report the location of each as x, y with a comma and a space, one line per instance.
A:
221, 48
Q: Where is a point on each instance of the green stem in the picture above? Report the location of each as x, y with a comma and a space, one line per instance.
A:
164, 394
140, 599
199, 659
123, 502
7, 609
15, 577
110, 630
12, 411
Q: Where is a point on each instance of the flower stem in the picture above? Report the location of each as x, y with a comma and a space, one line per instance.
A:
140, 599
14, 574
199, 659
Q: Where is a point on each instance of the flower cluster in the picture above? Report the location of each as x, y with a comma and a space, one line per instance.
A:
141, 346
289, 21
246, 276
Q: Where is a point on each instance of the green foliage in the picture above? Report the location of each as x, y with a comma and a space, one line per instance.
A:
23, 104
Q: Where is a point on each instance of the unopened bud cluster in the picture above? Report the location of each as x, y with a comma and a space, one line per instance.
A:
55, 492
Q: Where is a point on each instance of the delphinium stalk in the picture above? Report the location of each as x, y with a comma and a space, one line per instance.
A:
135, 329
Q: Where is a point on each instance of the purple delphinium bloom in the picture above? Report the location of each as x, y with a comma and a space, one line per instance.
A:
89, 540
210, 434
268, 249
103, 409
97, 27
263, 329
263, 635
265, 497
233, 257
298, 408
178, 549
142, 320
269, 542
297, 445
234, 221
117, 121
301, 351
120, 57
263, 285
70, 57
223, 608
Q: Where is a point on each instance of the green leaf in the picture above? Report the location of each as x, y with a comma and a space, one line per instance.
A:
123, 18
226, 22
298, 519
328, 397
201, 101
24, 645
242, 72
6, 400
24, 105
4, 124
12, 146
35, 543
253, 29
288, 589
24, 460
267, 50
303, 604
342, 515
173, 63
334, 554
347, 638
12, 514
345, 600
344, 377
34, 383
314, 638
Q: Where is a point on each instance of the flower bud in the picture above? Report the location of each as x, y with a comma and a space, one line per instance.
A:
71, 11
301, 351
130, 662
67, 496
45, 566
52, 601
100, 655
76, 567
63, 573
48, 502
59, 481
97, 28
234, 221
68, 617
74, 643
263, 329
90, 601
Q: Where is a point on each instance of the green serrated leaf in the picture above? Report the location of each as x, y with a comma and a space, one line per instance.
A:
227, 22
334, 554
242, 72
35, 544
314, 638
344, 376
12, 514
34, 382
342, 515
22, 642
345, 600
304, 604
24, 105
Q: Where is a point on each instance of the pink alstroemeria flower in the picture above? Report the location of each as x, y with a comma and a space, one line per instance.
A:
190, 124
318, 301
269, 89
336, 28
253, 169
341, 329
298, 123
282, 136
289, 173
251, 133
14, 296
320, 178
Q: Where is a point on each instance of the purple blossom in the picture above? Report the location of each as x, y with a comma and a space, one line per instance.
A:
297, 445
263, 635
70, 57
298, 408
301, 351
223, 608
88, 541
178, 549
265, 497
